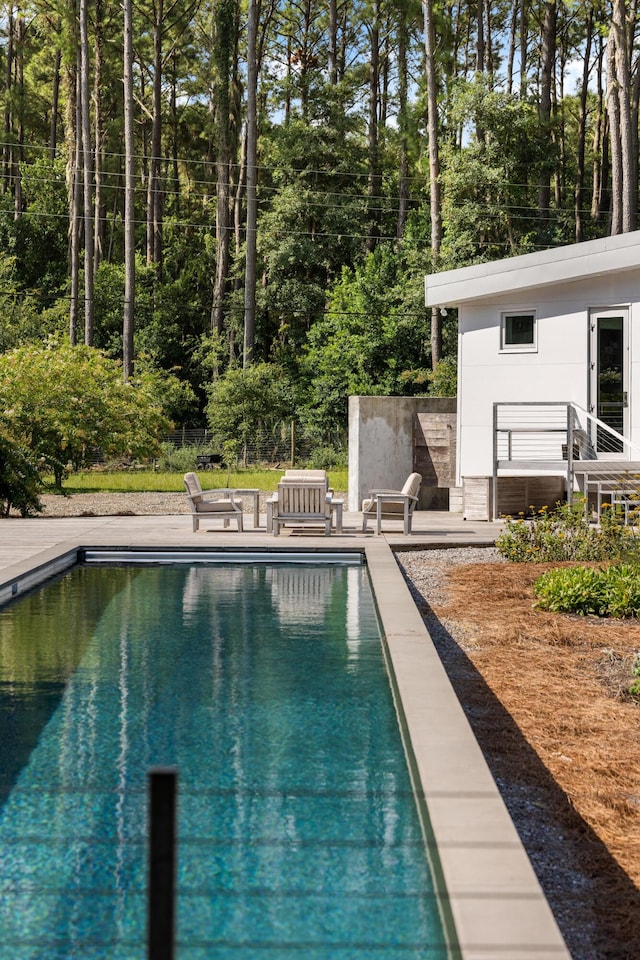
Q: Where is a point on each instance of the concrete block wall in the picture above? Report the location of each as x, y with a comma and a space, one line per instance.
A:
434, 455
390, 437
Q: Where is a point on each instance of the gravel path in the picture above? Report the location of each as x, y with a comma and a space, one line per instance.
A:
549, 840
115, 504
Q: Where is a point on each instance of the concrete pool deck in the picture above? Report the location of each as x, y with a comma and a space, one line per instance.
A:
491, 894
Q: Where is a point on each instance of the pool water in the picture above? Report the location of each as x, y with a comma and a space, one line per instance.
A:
298, 833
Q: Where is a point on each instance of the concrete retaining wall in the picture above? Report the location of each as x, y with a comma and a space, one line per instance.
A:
390, 437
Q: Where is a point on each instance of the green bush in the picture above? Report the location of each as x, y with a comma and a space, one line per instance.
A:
174, 459
20, 480
565, 533
610, 592
325, 458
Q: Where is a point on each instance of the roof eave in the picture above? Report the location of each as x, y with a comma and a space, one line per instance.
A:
545, 268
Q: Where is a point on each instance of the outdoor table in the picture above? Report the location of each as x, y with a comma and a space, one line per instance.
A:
336, 513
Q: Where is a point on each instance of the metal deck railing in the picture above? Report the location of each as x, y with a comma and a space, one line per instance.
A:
564, 439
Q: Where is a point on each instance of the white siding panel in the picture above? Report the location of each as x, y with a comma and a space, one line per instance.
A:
558, 371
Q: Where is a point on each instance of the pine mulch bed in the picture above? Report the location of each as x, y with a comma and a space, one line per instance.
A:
547, 697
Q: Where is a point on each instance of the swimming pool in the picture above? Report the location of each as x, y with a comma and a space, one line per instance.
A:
265, 685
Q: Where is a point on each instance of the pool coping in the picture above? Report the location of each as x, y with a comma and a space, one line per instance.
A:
490, 890
491, 901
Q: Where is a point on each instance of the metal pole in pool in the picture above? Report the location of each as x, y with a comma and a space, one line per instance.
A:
162, 863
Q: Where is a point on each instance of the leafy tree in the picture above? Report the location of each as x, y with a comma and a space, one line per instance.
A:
19, 478
37, 240
370, 341
488, 210
67, 402
443, 379
250, 405
308, 233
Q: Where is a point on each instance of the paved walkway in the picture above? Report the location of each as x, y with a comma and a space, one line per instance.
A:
28, 543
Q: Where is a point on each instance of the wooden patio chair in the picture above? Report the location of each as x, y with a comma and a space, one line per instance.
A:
204, 507
301, 502
392, 504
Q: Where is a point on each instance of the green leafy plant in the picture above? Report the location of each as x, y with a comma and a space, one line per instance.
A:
634, 688
612, 591
20, 480
565, 533
174, 459
65, 402
249, 406
324, 458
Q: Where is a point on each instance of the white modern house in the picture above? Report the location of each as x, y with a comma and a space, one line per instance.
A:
548, 375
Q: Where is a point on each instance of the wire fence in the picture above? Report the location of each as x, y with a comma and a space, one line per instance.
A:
286, 445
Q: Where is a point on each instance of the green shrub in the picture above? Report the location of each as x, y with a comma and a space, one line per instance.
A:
325, 458
20, 480
565, 533
613, 591
174, 459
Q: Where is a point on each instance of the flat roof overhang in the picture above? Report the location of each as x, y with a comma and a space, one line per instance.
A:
546, 267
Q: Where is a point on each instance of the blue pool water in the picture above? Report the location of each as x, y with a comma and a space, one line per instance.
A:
299, 837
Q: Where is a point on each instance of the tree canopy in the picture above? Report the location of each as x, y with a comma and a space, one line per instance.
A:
68, 403
297, 167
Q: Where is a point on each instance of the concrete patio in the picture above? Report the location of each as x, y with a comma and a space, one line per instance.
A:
29, 541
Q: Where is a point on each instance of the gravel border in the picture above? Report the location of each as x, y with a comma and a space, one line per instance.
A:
547, 840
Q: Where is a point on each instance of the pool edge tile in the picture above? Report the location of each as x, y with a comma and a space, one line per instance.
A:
490, 915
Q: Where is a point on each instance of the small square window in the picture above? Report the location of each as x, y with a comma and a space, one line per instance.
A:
518, 331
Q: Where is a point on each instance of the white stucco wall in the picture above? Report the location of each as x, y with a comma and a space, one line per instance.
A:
557, 372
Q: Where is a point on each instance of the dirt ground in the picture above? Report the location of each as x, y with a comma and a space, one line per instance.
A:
547, 697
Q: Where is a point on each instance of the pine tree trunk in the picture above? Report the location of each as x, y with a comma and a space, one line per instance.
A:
18, 154
240, 193
74, 191
524, 47
154, 191
480, 49
582, 133
600, 147
434, 169
98, 235
87, 165
513, 28
129, 199
332, 45
403, 173
252, 178
223, 45
7, 156
613, 112
624, 94
546, 79
55, 103
373, 183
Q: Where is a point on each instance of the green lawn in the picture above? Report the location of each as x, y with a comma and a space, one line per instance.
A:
149, 481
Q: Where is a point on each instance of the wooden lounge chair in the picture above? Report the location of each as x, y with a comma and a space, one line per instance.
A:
392, 504
204, 507
320, 475
302, 502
